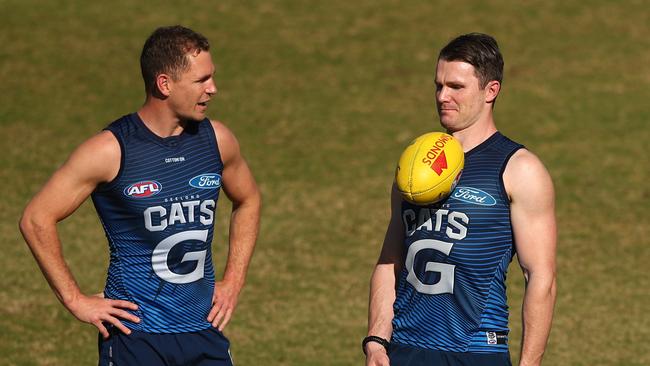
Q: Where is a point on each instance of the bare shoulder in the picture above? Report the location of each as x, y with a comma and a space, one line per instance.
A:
526, 175
238, 182
102, 147
227, 142
104, 143
532, 212
95, 161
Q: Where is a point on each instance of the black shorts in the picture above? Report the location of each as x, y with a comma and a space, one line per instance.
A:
208, 347
401, 355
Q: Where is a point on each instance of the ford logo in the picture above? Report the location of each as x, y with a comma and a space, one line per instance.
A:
473, 195
206, 181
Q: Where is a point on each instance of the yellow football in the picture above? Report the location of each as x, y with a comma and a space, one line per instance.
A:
429, 168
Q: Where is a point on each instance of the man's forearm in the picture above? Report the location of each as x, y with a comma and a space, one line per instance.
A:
382, 297
42, 239
244, 228
537, 314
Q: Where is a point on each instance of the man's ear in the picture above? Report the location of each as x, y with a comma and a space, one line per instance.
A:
163, 84
492, 91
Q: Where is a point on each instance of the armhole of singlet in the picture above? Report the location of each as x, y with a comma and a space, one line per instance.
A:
215, 140
504, 193
502, 185
103, 187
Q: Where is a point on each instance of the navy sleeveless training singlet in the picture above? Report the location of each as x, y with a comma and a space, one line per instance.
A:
158, 215
451, 293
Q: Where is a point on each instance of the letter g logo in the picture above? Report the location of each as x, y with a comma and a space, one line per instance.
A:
446, 283
161, 252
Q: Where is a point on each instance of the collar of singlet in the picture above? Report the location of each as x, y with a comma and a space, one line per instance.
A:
170, 141
485, 144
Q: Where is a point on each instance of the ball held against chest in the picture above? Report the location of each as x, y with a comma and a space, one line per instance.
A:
429, 168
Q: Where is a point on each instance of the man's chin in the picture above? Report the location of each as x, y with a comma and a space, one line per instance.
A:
195, 117
446, 122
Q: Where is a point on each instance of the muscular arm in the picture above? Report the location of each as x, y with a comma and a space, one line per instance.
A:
382, 285
533, 221
68, 187
240, 187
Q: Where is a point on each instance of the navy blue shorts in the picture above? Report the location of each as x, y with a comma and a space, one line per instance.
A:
401, 355
208, 347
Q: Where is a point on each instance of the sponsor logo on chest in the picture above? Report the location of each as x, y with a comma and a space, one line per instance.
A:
206, 181
473, 195
143, 189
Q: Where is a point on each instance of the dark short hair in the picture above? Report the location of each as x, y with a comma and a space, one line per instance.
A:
481, 51
165, 52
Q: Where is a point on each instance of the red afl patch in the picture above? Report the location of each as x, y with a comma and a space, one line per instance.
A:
143, 189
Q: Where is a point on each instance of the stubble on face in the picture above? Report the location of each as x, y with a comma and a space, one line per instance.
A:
195, 87
459, 99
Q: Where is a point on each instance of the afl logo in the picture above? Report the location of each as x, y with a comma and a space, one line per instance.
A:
473, 195
206, 181
143, 189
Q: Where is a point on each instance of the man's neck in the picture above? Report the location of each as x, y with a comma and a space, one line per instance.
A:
475, 134
159, 119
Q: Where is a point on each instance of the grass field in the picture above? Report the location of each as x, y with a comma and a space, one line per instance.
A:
323, 97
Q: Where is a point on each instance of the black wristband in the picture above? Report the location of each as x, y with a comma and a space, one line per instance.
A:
379, 340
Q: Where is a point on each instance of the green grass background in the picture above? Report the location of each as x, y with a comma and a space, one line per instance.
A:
323, 96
